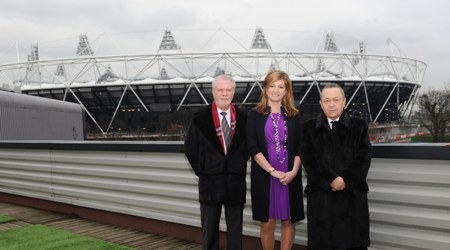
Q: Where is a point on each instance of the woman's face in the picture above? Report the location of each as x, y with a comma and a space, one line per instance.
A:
276, 92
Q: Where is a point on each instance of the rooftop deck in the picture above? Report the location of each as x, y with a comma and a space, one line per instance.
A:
118, 235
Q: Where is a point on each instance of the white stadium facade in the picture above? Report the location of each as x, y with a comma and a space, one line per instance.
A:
155, 94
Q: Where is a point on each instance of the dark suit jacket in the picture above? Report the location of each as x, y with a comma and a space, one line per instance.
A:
221, 177
260, 179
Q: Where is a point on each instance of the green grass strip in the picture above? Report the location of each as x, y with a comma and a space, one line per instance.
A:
40, 237
6, 218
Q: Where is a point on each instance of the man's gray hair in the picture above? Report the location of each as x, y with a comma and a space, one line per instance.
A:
332, 85
225, 77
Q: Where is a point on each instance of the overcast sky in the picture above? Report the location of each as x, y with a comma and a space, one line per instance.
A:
419, 29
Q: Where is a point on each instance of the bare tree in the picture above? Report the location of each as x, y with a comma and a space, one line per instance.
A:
434, 112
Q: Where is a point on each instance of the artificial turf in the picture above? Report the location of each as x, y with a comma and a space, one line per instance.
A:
41, 237
6, 218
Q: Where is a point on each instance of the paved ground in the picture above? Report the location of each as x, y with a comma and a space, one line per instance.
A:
122, 236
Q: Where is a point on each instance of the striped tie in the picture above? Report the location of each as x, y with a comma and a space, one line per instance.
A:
226, 131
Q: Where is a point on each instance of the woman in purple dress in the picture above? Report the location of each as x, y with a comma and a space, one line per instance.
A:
273, 138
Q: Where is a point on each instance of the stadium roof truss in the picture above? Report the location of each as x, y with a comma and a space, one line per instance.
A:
375, 85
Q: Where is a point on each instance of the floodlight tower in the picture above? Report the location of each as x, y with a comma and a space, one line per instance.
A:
330, 43
362, 47
260, 43
108, 75
168, 44
33, 66
60, 72
84, 49
163, 74
34, 56
360, 50
330, 46
361, 58
259, 40
219, 71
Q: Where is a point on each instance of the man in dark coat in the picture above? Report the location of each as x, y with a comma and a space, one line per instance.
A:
336, 158
216, 149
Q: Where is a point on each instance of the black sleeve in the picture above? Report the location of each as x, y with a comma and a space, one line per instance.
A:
298, 136
252, 140
191, 146
357, 172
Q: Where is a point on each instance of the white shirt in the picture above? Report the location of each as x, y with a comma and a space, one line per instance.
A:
329, 122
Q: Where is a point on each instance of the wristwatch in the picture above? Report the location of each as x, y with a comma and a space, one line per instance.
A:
271, 170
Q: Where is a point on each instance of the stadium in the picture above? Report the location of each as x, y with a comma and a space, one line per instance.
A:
152, 96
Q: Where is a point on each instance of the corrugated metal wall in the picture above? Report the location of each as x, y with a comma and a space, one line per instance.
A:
409, 199
410, 204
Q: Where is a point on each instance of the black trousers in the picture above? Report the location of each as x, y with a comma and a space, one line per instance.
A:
210, 218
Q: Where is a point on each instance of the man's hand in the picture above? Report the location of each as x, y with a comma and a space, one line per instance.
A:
338, 184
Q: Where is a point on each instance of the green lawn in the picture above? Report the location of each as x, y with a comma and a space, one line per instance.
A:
6, 218
40, 237
427, 138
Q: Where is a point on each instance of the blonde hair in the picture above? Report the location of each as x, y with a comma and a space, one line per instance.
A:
288, 100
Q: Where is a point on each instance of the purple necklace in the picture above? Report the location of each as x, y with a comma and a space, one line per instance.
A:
277, 137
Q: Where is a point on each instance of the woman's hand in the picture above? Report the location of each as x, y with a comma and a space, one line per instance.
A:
277, 174
288, 177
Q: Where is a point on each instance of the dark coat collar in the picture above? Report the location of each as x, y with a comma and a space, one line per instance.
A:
322, 121
204, 122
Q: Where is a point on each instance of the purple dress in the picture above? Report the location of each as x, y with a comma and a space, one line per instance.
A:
279, 207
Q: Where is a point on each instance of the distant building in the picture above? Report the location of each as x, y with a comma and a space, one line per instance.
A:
24, 117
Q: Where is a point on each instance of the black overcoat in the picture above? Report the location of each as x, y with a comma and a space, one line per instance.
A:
337, 219
260, 179
221, 177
